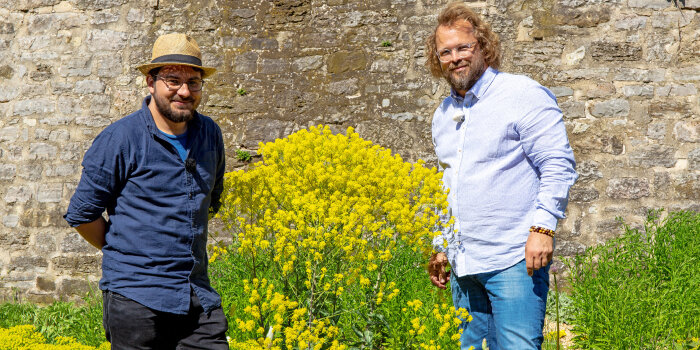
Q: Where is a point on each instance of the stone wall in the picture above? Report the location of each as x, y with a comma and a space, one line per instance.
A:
626, 74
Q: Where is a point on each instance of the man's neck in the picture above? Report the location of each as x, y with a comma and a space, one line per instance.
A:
164, 124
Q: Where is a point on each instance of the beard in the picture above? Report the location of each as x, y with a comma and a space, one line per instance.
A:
175, 115
463, 81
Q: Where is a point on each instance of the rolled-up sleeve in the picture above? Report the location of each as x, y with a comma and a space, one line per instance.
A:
544, 140
104, 167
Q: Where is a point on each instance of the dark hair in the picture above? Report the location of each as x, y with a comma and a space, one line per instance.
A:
153, 72
451, 16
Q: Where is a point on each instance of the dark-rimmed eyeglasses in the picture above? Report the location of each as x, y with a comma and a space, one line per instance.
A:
462, 51
174, 84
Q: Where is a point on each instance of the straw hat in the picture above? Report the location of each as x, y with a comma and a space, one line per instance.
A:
176, 49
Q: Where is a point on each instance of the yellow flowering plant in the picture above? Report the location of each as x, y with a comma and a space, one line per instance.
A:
26, 337
329, 236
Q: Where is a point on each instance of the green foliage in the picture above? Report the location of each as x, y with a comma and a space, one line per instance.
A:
243, 156
241, 92
566, 307
640, 291
386, 43
84, 323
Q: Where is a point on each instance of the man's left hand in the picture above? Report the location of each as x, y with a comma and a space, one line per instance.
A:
538, 251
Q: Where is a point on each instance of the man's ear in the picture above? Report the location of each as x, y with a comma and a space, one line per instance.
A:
151, 83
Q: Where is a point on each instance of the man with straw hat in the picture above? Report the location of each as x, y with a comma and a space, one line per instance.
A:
158, 173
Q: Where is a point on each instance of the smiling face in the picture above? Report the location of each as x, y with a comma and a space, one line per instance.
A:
461, 72
175, 105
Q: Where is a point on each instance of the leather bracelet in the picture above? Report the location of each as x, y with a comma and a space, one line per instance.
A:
542, 230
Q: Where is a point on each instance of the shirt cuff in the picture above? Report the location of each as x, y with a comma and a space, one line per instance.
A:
544, 219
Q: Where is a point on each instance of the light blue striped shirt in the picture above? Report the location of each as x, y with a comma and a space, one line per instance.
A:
507, 164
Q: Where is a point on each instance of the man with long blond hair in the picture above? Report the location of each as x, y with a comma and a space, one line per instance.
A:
501, 142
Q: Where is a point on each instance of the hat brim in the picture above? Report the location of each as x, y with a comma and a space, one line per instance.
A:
145, 68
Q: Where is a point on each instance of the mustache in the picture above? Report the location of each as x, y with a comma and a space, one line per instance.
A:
461, 64
177, 98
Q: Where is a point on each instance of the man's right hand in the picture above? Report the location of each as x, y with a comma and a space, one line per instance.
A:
436, 269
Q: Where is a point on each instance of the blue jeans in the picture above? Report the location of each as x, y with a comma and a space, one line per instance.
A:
507, 307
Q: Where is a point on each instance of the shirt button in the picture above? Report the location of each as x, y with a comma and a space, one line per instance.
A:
191, 195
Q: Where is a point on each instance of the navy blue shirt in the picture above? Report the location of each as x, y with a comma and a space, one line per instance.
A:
158, 209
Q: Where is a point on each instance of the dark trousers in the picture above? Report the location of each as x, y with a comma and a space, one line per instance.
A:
130, 325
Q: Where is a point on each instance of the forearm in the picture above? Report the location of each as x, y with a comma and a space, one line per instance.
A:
94, 232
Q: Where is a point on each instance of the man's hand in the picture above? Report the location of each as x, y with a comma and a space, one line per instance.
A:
436, 269
538, 251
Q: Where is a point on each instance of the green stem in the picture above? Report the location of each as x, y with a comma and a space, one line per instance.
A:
556, 290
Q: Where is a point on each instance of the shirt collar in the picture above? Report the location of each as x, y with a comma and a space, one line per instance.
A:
151, 124
480, 87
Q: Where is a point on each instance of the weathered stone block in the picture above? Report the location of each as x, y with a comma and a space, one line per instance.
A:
261, 130
18, 194
308, 63
75, 287
346, 87
45, 243
27, 263
105, 40
583, 18
109, 66
43, 217
10, 220
611, 108
583, 194
643, 75
89, 87
650, 4
588, 171
676, 90
632, 22
653, 155
74, 243
33, 106
10, 133
274, 66
60, 135
6, 72
138, 16
30, 172
671, 20
628, 188
656, 131
561, 91
77, 263
14, 238
638, 90
263, 44
97, 5
7, 28
691, 73
344, 61
41, 150
50, 193
246, 62
7, 171
45, 283
8, 93
687, 185
694, 159
612, 51
687, 131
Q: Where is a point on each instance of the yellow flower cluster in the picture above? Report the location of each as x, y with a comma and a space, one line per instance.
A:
26, 337
318, 221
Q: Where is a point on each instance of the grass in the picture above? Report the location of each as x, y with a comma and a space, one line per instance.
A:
83, 322
640, 291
